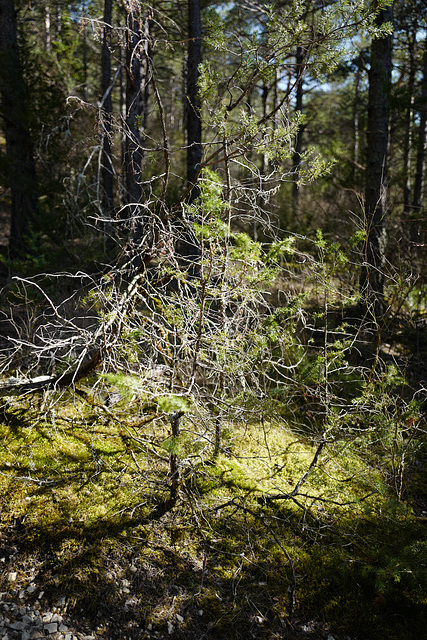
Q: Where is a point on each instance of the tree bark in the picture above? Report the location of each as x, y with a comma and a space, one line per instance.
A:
372, 273
356, 122
21, 170
417, 202
47, 38
137, 94
107, 171
296, 158
409, 117
193, 106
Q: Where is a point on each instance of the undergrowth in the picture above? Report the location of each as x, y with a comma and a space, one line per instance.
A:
84, 495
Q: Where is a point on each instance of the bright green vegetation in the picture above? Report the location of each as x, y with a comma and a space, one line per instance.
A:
84, 495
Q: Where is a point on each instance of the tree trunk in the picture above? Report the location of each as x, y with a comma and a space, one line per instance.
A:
21, 171
193, 120
372, 273
47, 27
296, 193
409, 117
356, 124
136, 112
417, 202
85, 60
58, 19
107, 171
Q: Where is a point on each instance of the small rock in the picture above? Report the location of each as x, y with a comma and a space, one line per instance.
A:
56, 618
27, 619
31, 588
17, 626
62, 628
36, 634
51, 627
200, 612
25, 635
61, 601
171, 628
12, 576
179, 618
47, 617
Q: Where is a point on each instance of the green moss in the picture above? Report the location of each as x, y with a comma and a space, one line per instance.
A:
94, 500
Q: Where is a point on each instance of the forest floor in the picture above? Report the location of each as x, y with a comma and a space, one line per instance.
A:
92, 546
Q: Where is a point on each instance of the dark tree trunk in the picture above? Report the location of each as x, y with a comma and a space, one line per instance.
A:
85, 60
296, 192
409, 117
21, 172
193, 119
356, 125
417, 203
107, 171
372, 273
264, 102
137, 54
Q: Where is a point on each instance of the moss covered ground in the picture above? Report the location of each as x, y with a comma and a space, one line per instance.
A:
86, 512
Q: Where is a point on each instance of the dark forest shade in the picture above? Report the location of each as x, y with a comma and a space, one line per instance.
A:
20, 170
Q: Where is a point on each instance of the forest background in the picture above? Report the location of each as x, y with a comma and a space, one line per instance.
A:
213, 314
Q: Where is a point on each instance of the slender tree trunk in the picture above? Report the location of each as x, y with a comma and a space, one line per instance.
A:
372, 273
137, 53
299, 98
21, 171
123, 83
193, 119
417, 202
107, 172
264, 102
58, 19
187, 247
264, 164
409, 118
47, 27
356, 125
85, 61
174, 419
276, 97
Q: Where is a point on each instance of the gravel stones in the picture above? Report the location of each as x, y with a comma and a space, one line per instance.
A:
25, 621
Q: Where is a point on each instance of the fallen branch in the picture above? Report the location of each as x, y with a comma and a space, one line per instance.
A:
296, 491
100, 342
